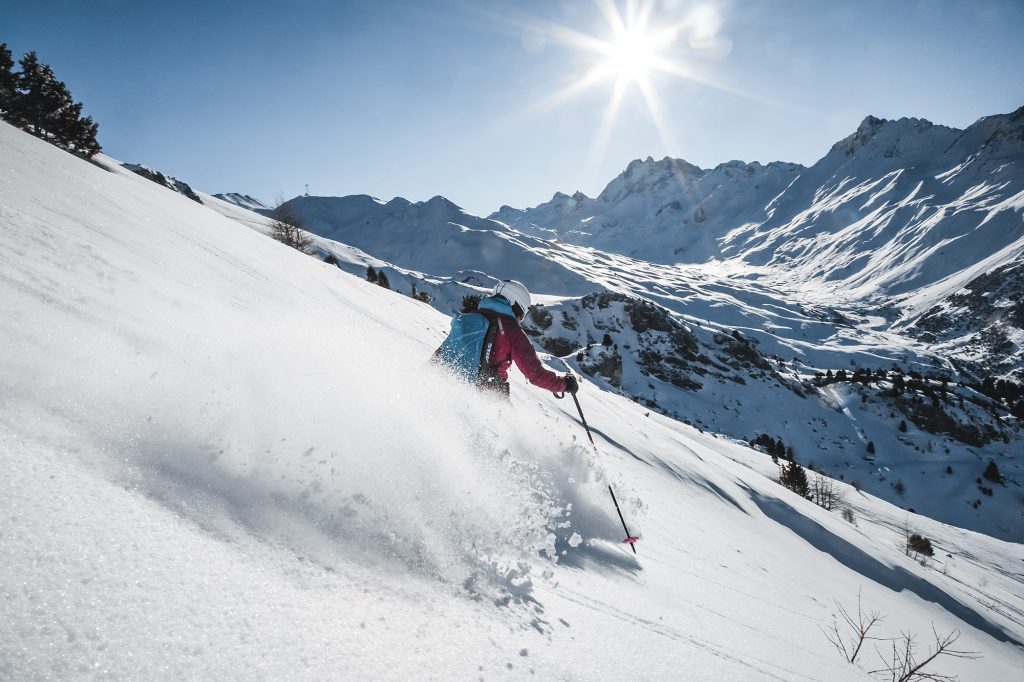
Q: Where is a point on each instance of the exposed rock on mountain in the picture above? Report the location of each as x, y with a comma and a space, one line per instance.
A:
627, 340
167, 181
983, 323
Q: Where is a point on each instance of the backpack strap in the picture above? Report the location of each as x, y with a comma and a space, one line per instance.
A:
486, 371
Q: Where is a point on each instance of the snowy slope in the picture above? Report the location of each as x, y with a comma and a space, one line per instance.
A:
226, 459
934, 469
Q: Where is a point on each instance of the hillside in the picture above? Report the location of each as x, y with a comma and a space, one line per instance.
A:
199, 485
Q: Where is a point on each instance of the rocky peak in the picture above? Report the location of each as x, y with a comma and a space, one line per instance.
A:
882, 137
650, 175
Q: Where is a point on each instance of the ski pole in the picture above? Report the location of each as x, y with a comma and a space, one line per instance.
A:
584, 420
630, 540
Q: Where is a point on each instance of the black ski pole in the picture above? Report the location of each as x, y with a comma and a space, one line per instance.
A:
584, 420
630, 540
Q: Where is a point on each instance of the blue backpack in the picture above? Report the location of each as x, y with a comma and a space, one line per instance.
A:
468, 346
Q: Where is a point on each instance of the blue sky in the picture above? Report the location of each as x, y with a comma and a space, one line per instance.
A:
416, 99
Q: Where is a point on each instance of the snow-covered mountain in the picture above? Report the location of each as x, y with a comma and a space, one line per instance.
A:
894, 219
224, 459
439, 238
898, 207
666, 211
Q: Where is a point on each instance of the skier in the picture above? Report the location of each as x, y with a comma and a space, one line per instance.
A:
488, 350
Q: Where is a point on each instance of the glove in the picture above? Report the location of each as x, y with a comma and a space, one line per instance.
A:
571, 385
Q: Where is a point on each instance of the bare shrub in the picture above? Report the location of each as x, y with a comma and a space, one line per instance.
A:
848, 516
823, 493
902, 665
287, 227
850, 644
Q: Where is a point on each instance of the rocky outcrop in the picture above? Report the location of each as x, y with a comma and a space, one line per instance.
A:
167, 181
983, 322
628, 341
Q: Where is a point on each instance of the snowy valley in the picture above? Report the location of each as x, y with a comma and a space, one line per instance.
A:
227, 459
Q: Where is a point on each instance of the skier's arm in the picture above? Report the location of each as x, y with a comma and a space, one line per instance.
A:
530, 365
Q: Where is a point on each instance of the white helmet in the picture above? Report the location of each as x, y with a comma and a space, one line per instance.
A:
515, 293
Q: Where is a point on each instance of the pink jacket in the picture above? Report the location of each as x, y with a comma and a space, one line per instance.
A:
512, 345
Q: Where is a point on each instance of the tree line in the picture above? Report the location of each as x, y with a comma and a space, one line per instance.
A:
35, 101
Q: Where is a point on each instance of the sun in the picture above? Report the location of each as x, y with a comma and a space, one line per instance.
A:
641, 39
631, 55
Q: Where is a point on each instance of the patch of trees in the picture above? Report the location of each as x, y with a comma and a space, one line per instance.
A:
1004, 392
773, 446
35, 101
859, 375
420, 296
922, 400
378, 277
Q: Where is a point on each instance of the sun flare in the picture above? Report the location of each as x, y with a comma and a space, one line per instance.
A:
632, 55
643, 38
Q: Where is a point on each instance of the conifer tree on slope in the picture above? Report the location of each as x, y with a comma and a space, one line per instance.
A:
8, 81
43, 105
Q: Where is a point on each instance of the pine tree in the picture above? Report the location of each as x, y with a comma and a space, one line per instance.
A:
41, 95
42, 105
903, 425
382, 280
81, 132
992, 472
371, 274
793, 476
871, 447
8, 81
